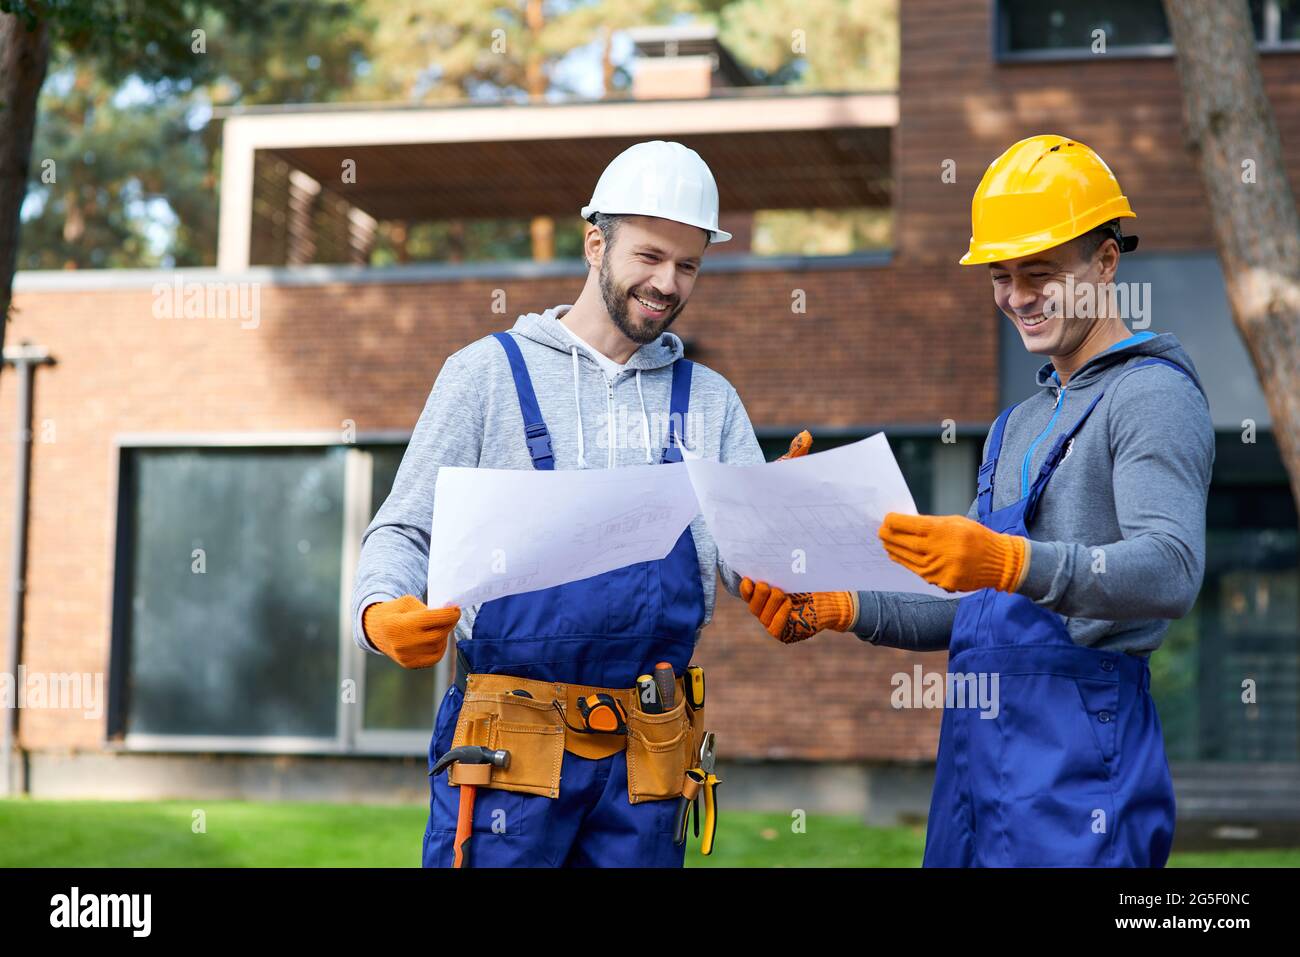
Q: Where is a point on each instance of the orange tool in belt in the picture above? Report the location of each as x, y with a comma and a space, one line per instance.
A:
477, 757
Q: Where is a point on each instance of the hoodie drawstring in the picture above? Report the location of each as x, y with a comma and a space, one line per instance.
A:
645, 420
577, 402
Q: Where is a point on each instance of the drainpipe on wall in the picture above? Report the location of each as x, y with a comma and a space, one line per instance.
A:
23, 358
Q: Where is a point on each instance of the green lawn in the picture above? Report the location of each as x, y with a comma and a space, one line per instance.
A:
243, 834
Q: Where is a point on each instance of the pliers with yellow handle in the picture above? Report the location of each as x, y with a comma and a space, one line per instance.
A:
702, 777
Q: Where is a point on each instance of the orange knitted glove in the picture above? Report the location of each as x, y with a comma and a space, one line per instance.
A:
955, 553
799, 445
409, 632
798, 615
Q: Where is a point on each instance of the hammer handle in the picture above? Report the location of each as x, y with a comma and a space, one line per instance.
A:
464, 825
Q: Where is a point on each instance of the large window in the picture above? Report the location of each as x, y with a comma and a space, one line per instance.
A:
232, 626
1046, 29
1242, 639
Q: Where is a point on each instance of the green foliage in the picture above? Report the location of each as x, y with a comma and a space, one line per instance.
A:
123, 118
99, 172
235, 834
816, 44
821, 232
153, 40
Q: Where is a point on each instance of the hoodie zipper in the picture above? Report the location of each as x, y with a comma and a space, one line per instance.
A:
1024, 466
609, 418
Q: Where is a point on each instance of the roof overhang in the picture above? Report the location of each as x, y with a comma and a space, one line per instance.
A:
766, 150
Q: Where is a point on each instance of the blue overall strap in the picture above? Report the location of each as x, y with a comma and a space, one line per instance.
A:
678, 407
1157, 361
984, 496
535, 432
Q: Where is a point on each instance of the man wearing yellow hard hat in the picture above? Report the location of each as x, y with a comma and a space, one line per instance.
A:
1086, 536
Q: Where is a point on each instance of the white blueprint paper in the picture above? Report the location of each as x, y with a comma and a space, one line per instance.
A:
805, 524
810, 523
500, 532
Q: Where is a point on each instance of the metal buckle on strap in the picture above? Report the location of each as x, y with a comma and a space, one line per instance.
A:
1058, 450
673, 444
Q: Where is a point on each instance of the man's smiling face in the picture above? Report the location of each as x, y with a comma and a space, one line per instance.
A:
1026, 289
648, 272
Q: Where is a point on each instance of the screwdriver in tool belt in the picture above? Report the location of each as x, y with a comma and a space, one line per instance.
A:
666, 683
695, 687
648, 695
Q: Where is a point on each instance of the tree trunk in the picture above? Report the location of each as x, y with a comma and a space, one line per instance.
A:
24, 56
607, 61
401, 232
540, 228
534, 76
1232, 135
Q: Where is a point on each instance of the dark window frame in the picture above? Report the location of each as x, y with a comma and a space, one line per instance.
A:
999, 30
350, 737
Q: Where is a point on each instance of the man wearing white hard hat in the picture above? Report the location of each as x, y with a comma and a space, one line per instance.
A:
597, 762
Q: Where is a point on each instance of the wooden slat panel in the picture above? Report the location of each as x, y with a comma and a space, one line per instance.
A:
833, 168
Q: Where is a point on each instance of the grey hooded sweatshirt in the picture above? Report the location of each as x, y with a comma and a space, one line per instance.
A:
1118, 544
472, 418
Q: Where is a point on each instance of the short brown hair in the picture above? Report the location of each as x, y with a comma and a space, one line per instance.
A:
607, 223
1091, 241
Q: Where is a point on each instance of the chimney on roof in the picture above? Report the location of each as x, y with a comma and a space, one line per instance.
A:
682, 62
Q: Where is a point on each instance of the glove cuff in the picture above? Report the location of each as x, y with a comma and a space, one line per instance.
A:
837, 610
1010, 553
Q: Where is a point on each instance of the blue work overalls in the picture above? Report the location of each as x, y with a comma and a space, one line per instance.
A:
1072, 770
604, 631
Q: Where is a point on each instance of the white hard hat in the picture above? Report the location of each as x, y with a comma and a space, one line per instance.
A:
661, 179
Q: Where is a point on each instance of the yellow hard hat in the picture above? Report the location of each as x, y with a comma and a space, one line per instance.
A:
1043, 191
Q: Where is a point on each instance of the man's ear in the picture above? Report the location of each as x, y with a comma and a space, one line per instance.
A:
1108, 258
593, 246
